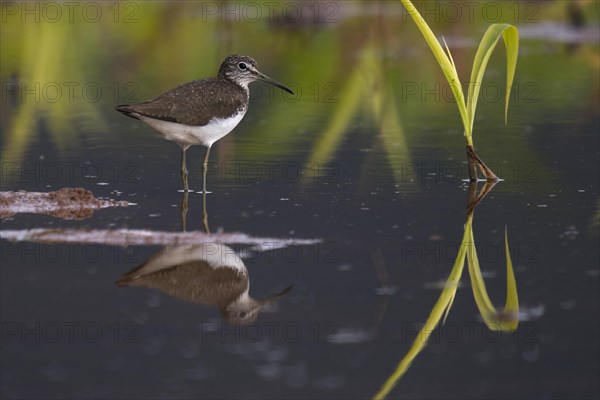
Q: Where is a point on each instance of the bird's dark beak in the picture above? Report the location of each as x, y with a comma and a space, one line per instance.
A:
276, 296
273, 82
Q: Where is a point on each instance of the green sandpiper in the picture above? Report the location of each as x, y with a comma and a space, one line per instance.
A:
202, 111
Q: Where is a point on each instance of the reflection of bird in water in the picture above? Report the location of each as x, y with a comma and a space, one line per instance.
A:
206, 273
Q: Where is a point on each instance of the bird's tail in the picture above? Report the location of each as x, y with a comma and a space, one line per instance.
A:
127, 109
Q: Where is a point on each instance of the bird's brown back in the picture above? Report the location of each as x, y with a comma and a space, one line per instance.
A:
194, 103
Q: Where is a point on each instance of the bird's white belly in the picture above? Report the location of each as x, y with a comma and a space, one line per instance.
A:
189, 135
216, 255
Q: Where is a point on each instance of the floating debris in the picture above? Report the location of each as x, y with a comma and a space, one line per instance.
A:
127, 237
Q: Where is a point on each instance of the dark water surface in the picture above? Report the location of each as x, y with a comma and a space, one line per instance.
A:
368, 158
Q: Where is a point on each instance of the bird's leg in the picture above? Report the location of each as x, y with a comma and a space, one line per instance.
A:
204, 169
184, 171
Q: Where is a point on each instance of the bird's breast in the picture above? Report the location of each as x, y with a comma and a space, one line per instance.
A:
219, 127
205, 135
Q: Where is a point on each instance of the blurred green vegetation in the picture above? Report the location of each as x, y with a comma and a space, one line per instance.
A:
358, 67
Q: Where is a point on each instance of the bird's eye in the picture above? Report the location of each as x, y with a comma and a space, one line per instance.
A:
243, 313
242, 66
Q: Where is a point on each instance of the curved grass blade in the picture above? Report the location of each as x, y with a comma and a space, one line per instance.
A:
486, 47
445, 62
449, 53
508, 319
440, 309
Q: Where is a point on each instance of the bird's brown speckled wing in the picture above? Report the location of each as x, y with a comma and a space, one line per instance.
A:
193, 103
194, 281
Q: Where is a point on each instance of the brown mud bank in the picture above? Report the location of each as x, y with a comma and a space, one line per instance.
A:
66, 203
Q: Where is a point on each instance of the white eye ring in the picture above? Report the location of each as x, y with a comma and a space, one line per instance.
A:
242, 66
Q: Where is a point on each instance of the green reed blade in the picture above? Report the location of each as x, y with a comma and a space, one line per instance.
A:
440, 309
444, 61
467, 108
484, 52
508, 319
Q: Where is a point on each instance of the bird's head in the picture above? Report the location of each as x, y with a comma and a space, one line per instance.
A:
245, 309
243, 70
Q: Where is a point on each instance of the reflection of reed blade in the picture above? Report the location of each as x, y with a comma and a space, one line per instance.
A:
474, 198
207, 273
503, 320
